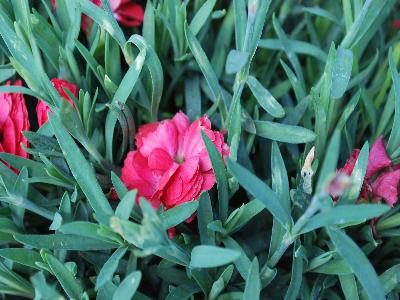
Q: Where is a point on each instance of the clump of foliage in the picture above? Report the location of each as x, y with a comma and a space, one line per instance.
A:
295, 86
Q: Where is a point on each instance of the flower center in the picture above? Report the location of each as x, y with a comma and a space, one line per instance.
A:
179, 159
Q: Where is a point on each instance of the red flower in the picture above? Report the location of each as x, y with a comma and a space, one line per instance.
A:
171, 164
42, 109
126, 12
13, 121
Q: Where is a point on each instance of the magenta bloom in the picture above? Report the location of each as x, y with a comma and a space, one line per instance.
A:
42, 109
171, 164
386, 185
13, 121
377, 159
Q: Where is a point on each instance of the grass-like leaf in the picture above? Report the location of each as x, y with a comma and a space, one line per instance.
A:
360, 264
211, 256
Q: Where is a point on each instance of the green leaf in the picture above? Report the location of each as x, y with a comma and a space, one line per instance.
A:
294, 46
261, 191
265, 99
394, 138
290, 54
284, 133
128, 286
220, 175
178, 214
34, 168
46, 38
348, 110
343, 214
87, 229
222, 281
19, 51
125, 88
341, 72
205, 217
149, 24
280, 181
253, 285
14, 284
349, 286
328, 168
333, 267
390, 279
298, 89
22, 256
243, 263
280, 185
119, 186
125, 206
242, 215
317, 11
235, 61
365, 24
240, 22
297, 273
104, 19
204, 65
6, 74
70, 285
193, 98
43, 289
223, 41
360, 264
357, 177
109, 267
82, 171
64, 241
201, 16
20, 201
211, 256
156, 74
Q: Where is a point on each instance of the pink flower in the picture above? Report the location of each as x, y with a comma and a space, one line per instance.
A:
171, 164
377, 159
13, 121
385, 186
127, 13
42, 109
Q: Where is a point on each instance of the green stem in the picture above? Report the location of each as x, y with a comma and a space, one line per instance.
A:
274, 259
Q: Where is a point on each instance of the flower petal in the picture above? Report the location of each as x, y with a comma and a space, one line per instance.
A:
350, 163
377, 159
386, 186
